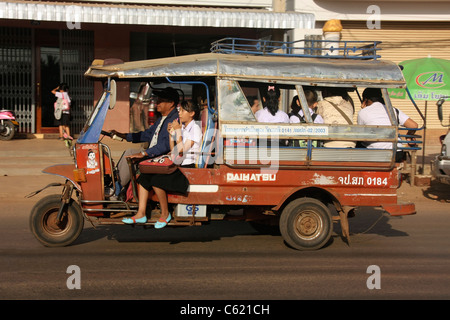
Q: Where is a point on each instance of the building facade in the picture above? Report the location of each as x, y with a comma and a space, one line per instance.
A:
407, 29
44, 43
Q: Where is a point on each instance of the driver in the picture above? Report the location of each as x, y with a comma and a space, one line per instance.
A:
157, 134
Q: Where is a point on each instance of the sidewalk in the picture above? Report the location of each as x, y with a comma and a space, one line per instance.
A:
29, 156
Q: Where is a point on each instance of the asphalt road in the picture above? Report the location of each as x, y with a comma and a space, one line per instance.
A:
388, 257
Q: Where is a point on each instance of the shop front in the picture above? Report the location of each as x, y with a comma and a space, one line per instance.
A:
44, 44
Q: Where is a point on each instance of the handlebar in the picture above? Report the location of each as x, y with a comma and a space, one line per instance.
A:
112, 136
106, 133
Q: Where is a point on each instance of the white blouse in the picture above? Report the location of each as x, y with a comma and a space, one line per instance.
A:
264, 115
191, 132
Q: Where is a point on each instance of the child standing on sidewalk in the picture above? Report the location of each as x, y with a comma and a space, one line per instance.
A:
63, 98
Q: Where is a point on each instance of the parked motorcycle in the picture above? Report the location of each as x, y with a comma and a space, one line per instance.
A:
8, 124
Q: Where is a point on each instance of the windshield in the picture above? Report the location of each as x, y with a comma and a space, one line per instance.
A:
94, 124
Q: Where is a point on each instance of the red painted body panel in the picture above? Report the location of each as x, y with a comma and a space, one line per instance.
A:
88, 157
227, 186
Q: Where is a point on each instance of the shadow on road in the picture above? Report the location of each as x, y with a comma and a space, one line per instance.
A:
437, 191
212, 231
366, 221
370, 220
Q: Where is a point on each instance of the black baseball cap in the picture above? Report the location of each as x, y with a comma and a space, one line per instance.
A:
168, 93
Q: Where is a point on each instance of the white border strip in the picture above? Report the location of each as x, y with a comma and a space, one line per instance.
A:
203, 188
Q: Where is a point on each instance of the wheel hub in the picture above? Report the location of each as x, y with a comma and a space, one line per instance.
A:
307, 225
52, 225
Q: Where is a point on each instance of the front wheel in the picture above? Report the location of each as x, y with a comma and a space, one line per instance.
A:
47, 230
306, 224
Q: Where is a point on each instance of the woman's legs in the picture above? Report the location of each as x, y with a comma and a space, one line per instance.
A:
143, 197
61, 131
140, 216
67, 129
162, 197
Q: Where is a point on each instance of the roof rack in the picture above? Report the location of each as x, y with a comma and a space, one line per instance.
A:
331, 49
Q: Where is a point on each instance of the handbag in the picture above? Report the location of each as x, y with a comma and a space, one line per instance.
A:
61, 105
58, 108
158, 165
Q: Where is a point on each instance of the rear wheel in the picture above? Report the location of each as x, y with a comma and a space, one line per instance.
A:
47, 230
7, 130
306, 224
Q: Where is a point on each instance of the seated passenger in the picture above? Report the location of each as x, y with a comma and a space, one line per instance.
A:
373, 112
336, 108
254, 103
187, 135
297, 115
270, 112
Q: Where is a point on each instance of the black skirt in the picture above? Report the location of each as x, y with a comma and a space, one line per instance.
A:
65, 119
174, 182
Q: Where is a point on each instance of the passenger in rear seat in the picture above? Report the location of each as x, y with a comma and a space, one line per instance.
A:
297, 116
336, 108
270, 112
186, 136
373, 112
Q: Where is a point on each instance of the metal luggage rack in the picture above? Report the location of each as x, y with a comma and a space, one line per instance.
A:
359, 50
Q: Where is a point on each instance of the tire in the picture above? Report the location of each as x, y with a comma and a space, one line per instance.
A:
49, 233
306, 224
8, 130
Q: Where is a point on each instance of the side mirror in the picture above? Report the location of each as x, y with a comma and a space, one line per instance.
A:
439, 104
439, 110
113, 91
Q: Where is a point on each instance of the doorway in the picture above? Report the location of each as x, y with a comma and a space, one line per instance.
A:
35, 61
48, 77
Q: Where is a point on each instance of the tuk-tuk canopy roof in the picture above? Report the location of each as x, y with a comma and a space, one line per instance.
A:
307, 71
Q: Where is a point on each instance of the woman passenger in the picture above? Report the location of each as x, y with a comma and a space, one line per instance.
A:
270, 112
336, 108
185, 142
297, 115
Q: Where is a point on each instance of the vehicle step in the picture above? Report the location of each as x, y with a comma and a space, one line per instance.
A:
173, 222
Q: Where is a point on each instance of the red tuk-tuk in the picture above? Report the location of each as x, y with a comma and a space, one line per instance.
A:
305, 189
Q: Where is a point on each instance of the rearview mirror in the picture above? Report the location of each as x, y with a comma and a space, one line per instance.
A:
439, 104
439, 110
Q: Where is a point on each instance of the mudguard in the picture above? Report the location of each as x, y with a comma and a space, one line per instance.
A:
65, 171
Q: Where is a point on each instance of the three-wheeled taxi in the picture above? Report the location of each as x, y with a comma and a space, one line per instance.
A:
246, 167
